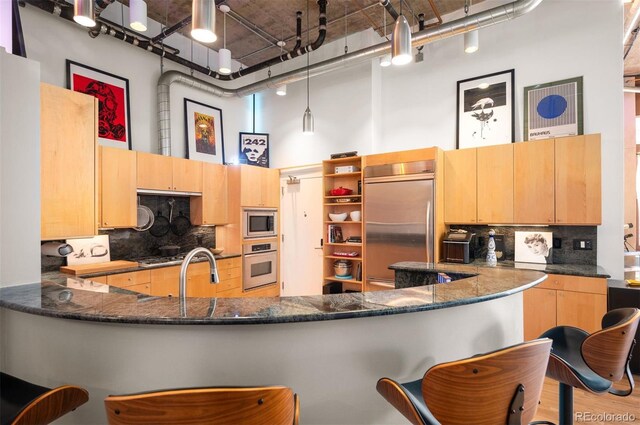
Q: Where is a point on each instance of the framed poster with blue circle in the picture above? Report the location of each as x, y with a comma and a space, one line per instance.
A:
553, 109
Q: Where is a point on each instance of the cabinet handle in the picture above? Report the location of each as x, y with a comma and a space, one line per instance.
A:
169, 187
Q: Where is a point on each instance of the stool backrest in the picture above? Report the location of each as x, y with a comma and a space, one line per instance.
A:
480, 390
606, 351
217, 405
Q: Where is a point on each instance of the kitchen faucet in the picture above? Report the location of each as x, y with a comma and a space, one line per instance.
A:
185, 263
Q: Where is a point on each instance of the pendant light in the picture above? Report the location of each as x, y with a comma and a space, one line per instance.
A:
281, 90
138, 15
83, 13
203, 21
224, 54
307, 118
401, 41
471, 37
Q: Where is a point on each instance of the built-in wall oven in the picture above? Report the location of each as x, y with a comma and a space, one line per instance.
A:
259, 223
260, 264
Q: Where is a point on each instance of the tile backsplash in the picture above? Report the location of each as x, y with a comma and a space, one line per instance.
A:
565, 235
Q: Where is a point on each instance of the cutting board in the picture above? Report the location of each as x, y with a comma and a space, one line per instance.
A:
97, 268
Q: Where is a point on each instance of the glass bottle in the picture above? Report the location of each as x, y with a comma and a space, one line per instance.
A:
492, 260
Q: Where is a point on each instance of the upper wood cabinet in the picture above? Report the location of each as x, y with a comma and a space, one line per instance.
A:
160, 172
118, 207
533, 199
460, 186
495, 184
211, 207
68, 134
577, 180
259, 187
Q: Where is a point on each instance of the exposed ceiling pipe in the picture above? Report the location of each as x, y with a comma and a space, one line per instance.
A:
484, 19
392, 11
166, 32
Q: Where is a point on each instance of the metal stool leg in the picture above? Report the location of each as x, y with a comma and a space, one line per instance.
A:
565, 412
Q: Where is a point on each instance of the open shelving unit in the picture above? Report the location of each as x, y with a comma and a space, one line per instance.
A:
348, 228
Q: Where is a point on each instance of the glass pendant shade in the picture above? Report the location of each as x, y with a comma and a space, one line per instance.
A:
83, 13
307, 122
385, 60
203, 21
224, 58
281, 90
471, 41
401, 42
138, 15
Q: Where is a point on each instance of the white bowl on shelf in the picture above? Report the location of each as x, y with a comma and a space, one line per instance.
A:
338, 217
355, 215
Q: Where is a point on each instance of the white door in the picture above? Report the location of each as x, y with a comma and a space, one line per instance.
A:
301, 228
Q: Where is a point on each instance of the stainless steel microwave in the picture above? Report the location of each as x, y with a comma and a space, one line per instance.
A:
259, 223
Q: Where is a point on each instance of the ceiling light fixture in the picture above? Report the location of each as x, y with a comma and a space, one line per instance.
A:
138, 15
83, 13
401, 41
281, 90
224, 54
307, 118
470, 37
203, 22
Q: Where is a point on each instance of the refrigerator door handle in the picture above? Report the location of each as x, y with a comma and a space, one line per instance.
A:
428, 235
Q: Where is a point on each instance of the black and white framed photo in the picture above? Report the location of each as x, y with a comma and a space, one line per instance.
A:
204, 134
254, 149
112, 92
534, 247
485, 110
553, 109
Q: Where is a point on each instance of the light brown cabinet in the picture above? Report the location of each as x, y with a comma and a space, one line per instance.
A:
117, 187
495, 184
259, 187
139, 281
230, 272
211, 207
564, 300
160, 172
534, 192
187, 175
460, 190
68, 132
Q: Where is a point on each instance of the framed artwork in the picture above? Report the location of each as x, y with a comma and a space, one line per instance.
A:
485, 110
89, 250
534, 247
204, 135
112, 92
254, 149
553, 109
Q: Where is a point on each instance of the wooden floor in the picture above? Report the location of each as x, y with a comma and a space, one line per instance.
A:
589, 404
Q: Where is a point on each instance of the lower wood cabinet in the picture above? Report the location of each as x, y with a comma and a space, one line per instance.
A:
139, 281
565, 300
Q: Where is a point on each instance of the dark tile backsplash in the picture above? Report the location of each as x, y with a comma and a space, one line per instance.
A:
563, 234
129, 244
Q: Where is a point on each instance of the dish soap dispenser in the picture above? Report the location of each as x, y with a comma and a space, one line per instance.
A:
492, 260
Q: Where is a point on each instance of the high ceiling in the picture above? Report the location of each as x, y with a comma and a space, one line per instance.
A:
254, 27
632, 46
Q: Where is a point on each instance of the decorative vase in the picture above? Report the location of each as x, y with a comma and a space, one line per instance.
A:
492, 260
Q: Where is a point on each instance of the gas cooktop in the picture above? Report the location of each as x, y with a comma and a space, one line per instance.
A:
155, 261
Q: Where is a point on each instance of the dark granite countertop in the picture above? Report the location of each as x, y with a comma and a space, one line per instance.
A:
568, 269
76, 298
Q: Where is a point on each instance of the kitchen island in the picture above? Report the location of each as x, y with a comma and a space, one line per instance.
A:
120, 342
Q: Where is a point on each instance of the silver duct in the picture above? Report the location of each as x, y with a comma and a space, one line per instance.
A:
484, 19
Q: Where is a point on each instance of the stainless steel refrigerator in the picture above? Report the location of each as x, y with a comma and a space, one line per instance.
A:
398, 213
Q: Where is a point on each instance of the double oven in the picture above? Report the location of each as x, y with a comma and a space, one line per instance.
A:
259, 257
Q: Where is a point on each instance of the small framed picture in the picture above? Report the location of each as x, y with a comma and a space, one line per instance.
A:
534, 247
204, 134
254, 149
112, 92
553, 109
485, 110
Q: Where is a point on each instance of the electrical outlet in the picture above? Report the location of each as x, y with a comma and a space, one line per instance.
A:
582, 245
557, 243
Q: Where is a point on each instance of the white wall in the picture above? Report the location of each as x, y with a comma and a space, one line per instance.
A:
5, 25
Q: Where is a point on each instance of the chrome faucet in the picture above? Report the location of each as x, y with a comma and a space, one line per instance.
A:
185, 263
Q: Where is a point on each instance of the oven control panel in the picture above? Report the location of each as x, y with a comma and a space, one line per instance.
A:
259, 247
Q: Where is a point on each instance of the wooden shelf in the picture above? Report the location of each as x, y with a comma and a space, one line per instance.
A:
342, 257
355, 173
337, 279
343, 222
333, 204
343, 244
341, 196
341, 160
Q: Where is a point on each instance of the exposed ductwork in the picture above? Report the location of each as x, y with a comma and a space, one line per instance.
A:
484, 19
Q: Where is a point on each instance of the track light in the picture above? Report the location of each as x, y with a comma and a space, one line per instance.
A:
471, 41
138, 15
83, 13
385, 60
401, 42
203, 22
281, 90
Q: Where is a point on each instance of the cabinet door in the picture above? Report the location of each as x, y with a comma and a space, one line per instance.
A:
68, 134
495, 184
211, 207
199, 281
125, 280
533, 199
164, 281
460, 186
577, 181
141, 288
539, 311
187, 175
582, 310
250, 186
154, 171
118, 206
270, 187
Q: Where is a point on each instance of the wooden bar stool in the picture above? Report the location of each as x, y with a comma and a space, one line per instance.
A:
24, 403
500, 387
274, 405
592, 362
